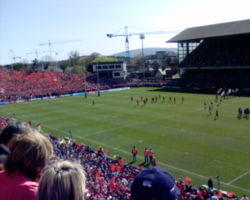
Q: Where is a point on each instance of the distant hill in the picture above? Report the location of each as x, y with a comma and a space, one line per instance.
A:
147, 51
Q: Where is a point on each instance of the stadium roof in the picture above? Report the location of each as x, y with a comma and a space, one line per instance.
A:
211, 31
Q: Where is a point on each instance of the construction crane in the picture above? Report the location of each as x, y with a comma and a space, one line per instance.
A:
36, 53
13, 56
52, 43
140, 34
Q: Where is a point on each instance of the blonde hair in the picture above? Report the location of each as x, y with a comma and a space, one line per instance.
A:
29, 154
62, 180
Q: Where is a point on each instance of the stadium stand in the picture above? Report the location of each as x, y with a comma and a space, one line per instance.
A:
23, 85
15, 85
215, 56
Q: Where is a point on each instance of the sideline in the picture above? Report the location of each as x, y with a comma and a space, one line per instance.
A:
63, 95
238, 177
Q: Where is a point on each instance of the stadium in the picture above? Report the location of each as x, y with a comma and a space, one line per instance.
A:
192, 125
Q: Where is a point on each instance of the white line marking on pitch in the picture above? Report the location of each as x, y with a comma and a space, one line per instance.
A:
127, 126
134, 124
238, 177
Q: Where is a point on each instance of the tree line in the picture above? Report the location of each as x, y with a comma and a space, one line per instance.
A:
75, 63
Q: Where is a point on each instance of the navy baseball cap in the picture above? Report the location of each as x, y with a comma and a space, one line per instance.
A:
154, 184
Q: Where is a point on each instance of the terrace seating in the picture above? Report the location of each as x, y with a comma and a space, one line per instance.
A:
15, 85
107, 178
216, 78
218, 63
220, 52
23, 85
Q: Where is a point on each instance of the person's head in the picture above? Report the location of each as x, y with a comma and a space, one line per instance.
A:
62, 180
154, 184
29, 154
13, 128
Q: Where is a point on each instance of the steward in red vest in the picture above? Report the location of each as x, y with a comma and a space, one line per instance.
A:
134, 153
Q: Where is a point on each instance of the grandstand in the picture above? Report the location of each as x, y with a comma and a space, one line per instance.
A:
215, 56
24, 85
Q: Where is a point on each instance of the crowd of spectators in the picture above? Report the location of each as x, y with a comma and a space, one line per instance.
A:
15, 85
204, 192
107, 178
24, 85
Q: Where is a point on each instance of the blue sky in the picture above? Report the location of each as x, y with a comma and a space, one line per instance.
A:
24, 24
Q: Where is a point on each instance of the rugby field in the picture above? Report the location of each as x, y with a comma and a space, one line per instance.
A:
185, 139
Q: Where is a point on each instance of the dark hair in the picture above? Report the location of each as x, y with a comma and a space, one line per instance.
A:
29, 154
12, 129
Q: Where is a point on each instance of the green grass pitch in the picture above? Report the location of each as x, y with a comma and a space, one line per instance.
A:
185, 139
